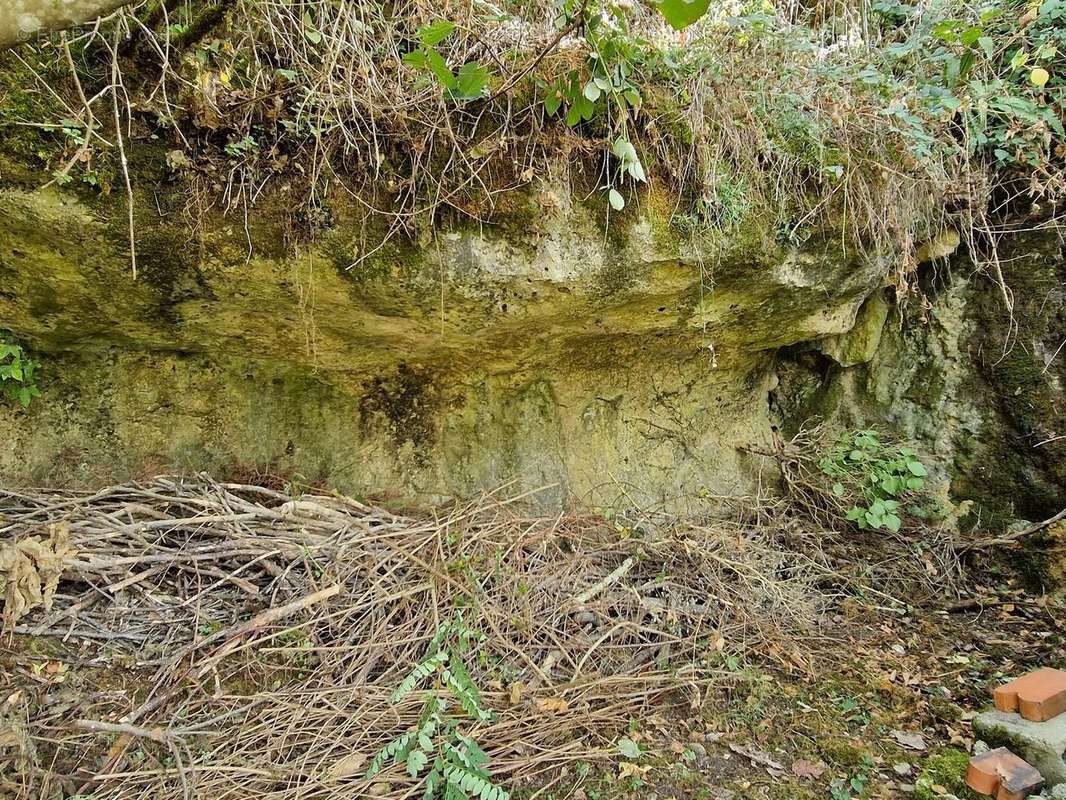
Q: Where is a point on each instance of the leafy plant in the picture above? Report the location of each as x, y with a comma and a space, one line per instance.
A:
470, 83
854, 786
881, 477
603, 87
457, 766
17, 371
682, 13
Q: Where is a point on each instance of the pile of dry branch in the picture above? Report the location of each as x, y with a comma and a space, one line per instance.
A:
250, 639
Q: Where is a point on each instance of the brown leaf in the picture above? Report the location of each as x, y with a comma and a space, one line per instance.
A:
551, 705
913, 741
802, 768
351, 764
628, 769
515, 694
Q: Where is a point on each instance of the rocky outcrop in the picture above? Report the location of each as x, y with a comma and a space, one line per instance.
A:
979, 387
605, 362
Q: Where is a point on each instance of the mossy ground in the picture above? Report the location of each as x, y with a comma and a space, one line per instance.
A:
924, 673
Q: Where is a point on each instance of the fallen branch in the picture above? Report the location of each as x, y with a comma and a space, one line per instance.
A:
122, 729
1010, 538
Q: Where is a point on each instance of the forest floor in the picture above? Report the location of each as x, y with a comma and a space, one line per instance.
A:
225, 641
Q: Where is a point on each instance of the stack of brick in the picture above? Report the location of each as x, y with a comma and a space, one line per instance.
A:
1030, 717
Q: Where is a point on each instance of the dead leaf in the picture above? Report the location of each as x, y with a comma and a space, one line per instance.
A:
351, 764
808, 769
30, 570
551, 705
912, 741
515, 694
627, 769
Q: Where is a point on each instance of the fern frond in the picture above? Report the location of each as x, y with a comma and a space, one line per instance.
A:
419, 673
474, 784
397, 750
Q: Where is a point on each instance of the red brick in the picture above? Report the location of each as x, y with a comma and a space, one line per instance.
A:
1038, 696
1001, 773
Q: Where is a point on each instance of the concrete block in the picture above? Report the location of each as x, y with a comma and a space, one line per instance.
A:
1040, 743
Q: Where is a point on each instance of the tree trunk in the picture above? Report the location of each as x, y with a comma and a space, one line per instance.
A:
24, 20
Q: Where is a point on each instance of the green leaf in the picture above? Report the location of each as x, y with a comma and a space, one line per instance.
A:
435, 32
416, 59
436, 65
592, 92
552, 100
987, 46
614, 197
914, 484
682, 13
628, 748
971, 35
624, 150
917, 469
312, 34
573, 115
892, 522
471, 82
416, 760
838, 489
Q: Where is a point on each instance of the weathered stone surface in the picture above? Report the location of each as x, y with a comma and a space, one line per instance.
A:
600, 364
1042, 744
982, 393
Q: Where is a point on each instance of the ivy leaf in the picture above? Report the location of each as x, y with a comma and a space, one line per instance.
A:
435, 32
682, 13
614, 197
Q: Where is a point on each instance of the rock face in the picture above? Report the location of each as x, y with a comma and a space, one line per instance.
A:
596, 364
979, 388
602, 364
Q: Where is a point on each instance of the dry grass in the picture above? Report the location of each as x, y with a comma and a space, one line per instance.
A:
339, 117
271, 631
